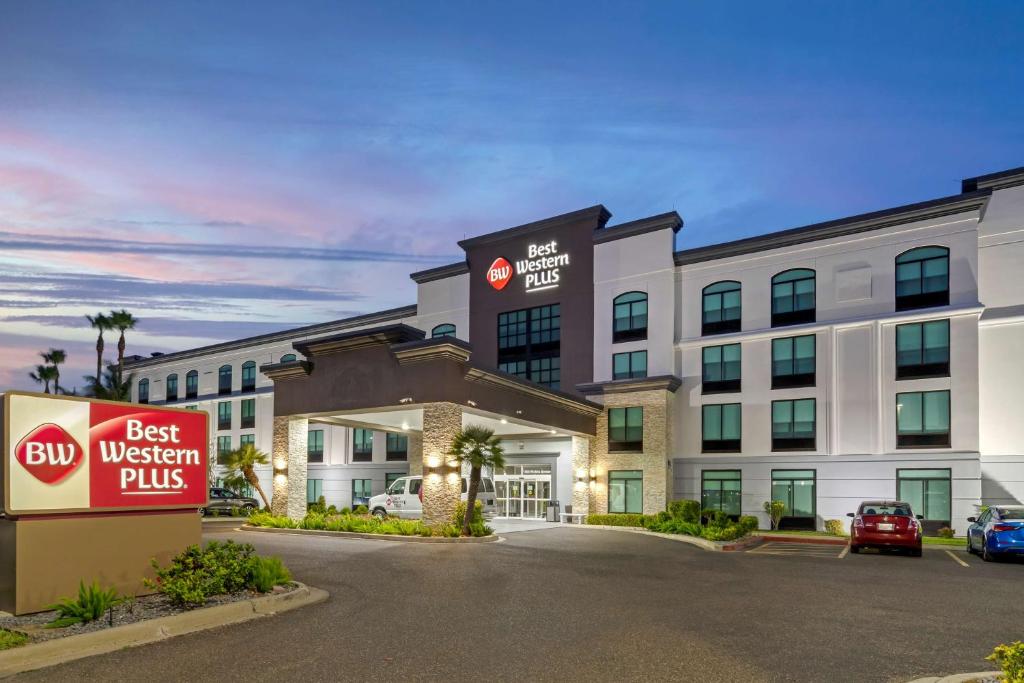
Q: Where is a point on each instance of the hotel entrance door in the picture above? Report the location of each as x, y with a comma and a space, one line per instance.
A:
522, 491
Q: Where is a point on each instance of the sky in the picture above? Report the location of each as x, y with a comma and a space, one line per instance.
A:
233, 168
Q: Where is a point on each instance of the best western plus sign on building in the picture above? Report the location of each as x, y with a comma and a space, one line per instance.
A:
65, 455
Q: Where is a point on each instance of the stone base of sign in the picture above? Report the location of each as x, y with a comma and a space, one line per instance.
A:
43, 559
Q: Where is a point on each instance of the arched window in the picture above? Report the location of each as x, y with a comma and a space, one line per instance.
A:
288, 358
721, 308
445, 330
249, 375
922, 278
192, 384
793, 297
629, 314
172, 388
143, 391
224, 380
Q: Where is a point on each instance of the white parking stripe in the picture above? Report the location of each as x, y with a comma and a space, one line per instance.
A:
846, 549
957, 559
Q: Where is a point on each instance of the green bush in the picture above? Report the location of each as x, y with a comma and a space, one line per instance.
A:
332, 510
629, 519
197, 574
686, 510
714, 518
361, 510
320, 506
268, 520
677, 525
91, 604
268, 572
345, 511
835, 527
946, 532
1010, 659
9, 639
314, 520
749, 523
775, 509
477, 527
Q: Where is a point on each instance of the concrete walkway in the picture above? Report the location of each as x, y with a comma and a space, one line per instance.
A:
506, 526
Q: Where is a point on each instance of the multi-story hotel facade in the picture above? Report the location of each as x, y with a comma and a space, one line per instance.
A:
871, 357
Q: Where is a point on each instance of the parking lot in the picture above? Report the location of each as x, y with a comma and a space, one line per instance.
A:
568, 604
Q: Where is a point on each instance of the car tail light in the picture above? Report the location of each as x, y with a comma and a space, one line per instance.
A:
1004, 527
858, 522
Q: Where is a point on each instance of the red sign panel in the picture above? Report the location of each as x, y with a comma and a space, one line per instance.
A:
74, 455
499, 274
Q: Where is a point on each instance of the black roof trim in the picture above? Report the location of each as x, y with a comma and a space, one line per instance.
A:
662, 221
618, 386
996, 181
851, 225
597, 212
440, 272
284, 335
396, 333
431, 341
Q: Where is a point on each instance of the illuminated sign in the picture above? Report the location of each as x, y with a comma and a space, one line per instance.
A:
499, 273
541, 266
76, 455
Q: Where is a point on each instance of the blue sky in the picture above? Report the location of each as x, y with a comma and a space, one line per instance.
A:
225, 169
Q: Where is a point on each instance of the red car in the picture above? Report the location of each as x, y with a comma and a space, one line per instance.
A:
885, 524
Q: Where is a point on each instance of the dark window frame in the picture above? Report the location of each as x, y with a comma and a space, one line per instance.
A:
625, 511
720, 445
143, 391
924, 490
923, 439
288, 358
394, 454
794, 380
631, 373
171, 396
360, 452
528, 336
368, 494
224, 422
222, 452
814, 488
724, 325
909, 302
923, 370
635, 331
442, 330
313, 454
794, 443
224, 372
249, 383
247, 421
703, 487
620, 445
795, 316
723, 386
192, 384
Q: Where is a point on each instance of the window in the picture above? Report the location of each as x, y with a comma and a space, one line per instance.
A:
248, 413
249, 375
223, 448
143, 391
922, 278
288, 358
922, 350
721, 308
797, 489
362, 489
172, 388
224, 380
446, 330
922, 419
529, 344
721, 372
721, 428
362, 445
315, 445
625, 429
390, 478
398, 446
629, 314
191, 384
793, 297
247, 438
224, 415
629, 365
929, 493
314, 489
626, 491
793, 362
793, 425
721, 490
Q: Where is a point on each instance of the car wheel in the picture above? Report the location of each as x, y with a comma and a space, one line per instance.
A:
854, 549
380, 513
970, 546
985, 554
916, 552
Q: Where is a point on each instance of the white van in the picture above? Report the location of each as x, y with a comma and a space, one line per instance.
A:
402, 498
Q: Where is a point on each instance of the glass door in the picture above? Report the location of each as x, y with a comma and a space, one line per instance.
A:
929, 493
797, 491
522, 491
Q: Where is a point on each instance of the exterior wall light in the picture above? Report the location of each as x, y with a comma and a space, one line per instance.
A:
471, 402
407, 399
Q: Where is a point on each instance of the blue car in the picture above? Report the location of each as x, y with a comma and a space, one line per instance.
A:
999, 531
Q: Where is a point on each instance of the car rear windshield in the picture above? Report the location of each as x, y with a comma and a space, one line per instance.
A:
897, 510
1015, 513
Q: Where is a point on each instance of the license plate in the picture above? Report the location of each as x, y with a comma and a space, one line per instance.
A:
884, 526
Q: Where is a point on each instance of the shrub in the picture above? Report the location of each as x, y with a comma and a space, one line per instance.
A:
197, 574
268, 520
677, 525
749, 523
686, 510
1010, 659
361, 510
332, 510
477, 526
728, 532
345, 511
91, 604
313, 520
320, 506
834, 527
775, 510
629, 519
715, 518
946, 532
268, 572
9, 639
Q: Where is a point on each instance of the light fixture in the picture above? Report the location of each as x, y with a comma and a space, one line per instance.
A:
554, 431
405, 426
407, 399
471, 402
504, 421
433, 461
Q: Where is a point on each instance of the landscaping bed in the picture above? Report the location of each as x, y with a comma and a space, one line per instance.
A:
359, 522
684, 518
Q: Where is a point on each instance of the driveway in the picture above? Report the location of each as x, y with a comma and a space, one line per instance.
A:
569, 604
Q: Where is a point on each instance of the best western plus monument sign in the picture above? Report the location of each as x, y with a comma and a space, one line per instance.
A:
92, 490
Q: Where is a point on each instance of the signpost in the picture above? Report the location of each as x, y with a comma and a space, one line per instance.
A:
92, 490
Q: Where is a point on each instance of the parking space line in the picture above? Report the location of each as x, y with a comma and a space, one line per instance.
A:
956, 559
846, 549
790, 549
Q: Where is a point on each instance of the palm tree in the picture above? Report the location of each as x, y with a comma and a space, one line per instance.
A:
243, 460
109, 387
100, 322
480, 448
122, 320
55, 357
44, 374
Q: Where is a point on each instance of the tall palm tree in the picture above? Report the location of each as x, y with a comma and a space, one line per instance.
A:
55, 357
480, 448
99, 322
122, 320
44, 374
109, 387
243, 460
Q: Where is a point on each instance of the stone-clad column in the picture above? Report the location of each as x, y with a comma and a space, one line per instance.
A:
581, 474
290, 445
441, 482
415, 453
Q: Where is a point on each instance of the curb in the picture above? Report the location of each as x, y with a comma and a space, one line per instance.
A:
818, 540
703, 543
961, 678
70, 648
373, 537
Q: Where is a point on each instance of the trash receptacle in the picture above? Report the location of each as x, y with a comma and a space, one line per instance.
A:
553, 511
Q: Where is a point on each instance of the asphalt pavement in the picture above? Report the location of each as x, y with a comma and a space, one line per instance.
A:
586, 605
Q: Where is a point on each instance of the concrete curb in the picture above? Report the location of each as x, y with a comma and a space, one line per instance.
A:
961, 678
703, 543
373, 537
70, 648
